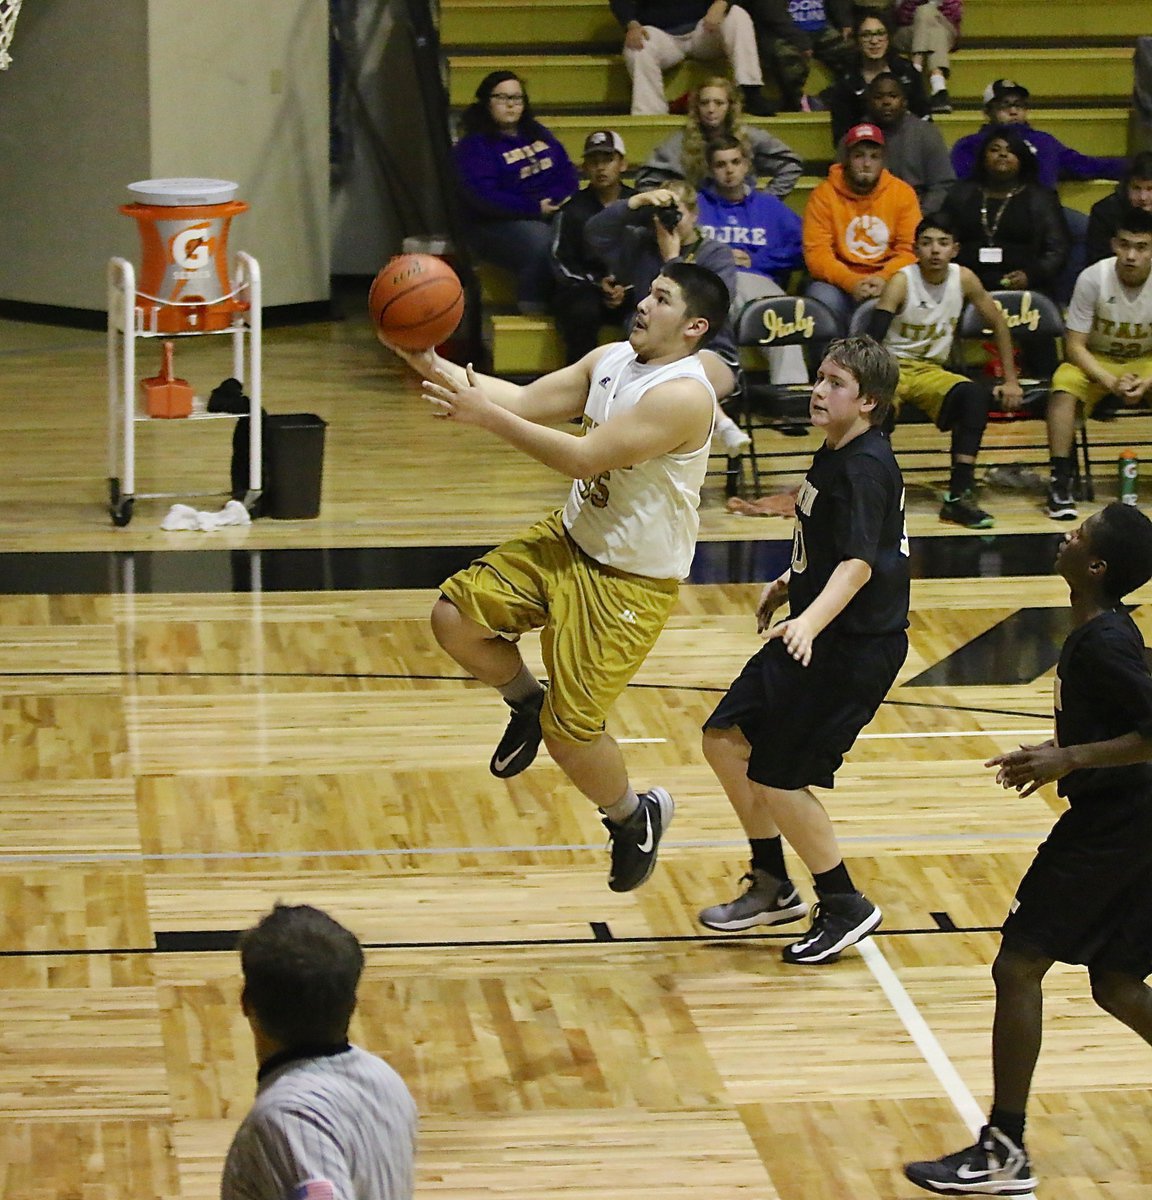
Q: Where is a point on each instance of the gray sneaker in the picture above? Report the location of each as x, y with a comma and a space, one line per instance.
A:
765, 901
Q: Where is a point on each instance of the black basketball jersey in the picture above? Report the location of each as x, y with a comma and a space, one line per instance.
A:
1103, 691
851, 505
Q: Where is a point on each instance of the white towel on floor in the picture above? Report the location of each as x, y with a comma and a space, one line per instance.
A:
184, 516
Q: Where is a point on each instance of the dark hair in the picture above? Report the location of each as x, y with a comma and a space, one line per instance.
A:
938, 220
301, 969
477, 117
1134, 220
723, 141
1122, 536
1025, 155
705, 295
885, 77
863, 14
872, 366
1139, 168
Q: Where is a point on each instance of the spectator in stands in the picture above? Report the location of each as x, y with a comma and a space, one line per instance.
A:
846, 98
1006, 103
1010, 227
636, 237
514, 176
587, 296
929, 31
914, 150
715, 108
1135, 191
859, 226
659, 34
1107, 345
764, 235
916, 319
790, 33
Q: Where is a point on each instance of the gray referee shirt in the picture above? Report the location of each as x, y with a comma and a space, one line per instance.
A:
344, 1119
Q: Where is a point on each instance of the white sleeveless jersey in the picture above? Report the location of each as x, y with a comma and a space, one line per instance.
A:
925, 326
1117, 320
641, 519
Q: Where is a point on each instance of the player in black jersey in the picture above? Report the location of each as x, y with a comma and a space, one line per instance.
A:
1087, 897
798, 705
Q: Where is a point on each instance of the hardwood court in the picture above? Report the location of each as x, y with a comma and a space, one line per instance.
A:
178, 755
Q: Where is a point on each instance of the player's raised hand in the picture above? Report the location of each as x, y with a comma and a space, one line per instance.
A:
457, 400
1030, 767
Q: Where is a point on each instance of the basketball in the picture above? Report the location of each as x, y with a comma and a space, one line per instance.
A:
416, 301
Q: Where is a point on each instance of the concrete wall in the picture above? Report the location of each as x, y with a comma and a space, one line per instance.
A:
101, 94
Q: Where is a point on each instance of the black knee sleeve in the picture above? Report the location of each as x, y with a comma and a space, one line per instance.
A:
965, 413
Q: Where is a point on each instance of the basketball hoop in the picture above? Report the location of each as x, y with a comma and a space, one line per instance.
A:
9, 11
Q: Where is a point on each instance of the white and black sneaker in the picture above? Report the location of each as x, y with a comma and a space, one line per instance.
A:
765, 901
634, 844
995, 1166
839, 920
517, 748
1061, 506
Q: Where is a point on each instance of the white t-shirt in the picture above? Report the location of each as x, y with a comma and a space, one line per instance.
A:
641, 519
1117, 319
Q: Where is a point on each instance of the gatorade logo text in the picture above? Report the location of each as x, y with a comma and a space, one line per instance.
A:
192, 248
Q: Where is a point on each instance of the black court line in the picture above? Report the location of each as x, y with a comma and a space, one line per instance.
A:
222, 940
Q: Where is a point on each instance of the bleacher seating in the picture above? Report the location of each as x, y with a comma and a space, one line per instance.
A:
1075, 58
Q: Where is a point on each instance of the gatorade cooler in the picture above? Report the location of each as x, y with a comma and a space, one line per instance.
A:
183, 284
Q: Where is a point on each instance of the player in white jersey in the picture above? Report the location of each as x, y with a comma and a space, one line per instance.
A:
600, 578
330, 1121
916, 318
1107, 347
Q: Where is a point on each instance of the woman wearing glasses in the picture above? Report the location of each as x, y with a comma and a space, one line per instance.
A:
845, 98
514, 175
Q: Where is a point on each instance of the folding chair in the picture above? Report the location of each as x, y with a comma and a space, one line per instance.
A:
1031, 315
770, 323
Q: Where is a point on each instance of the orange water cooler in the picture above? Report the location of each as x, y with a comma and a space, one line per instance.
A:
187, 286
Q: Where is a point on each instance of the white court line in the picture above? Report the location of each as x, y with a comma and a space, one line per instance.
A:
956, 733
926, 1042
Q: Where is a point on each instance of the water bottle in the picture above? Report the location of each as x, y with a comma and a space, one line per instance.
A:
1128, 468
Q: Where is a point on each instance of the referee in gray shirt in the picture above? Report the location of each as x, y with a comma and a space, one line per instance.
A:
330, 1121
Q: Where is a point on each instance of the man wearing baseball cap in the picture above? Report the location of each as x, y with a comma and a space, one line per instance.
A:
587, 296
1006, 103
859, 225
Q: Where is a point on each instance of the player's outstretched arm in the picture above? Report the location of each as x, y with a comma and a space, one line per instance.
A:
558, 396
1031, 767
674, 416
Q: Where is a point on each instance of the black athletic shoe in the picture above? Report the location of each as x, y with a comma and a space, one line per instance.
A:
960, 510
1061, 506
839, 920
940, 103
995, 1166
521, 740
634, 844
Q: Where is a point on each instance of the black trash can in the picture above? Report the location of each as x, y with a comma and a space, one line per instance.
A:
295, 457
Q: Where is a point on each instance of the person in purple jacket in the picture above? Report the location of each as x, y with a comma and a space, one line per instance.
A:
1006, 103
514, 175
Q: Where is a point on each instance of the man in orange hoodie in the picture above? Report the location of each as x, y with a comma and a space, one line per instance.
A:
859, 226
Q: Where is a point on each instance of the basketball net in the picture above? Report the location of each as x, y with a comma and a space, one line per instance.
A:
9, 11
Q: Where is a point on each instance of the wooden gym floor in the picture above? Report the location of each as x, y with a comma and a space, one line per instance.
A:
198, 724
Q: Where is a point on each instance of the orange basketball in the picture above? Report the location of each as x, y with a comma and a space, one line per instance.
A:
416, 301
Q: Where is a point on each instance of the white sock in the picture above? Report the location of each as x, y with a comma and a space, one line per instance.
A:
619, 812
937, 82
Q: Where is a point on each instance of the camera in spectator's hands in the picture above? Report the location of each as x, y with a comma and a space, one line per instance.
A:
669, 216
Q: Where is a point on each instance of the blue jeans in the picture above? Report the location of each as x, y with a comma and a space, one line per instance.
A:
1077, 253
836, 299
525, 249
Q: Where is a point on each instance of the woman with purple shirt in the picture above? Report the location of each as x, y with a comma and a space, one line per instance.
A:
514, 175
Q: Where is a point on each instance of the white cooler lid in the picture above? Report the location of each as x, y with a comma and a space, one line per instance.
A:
176, 192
